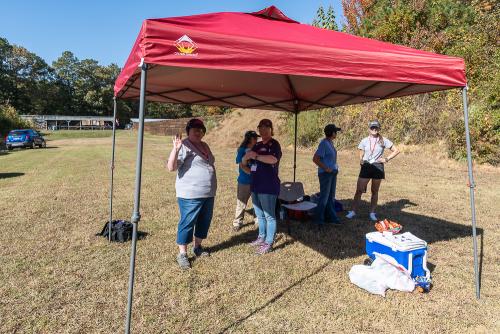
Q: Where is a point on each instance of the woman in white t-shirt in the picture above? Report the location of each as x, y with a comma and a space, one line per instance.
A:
372, 167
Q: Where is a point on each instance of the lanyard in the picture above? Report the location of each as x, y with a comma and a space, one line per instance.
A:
201, 150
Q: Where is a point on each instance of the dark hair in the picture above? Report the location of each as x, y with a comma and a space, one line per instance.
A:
266, 122
195, 123
248, 136
329, 132
245, 142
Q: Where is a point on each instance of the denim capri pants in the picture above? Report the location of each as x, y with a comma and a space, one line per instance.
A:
196, 215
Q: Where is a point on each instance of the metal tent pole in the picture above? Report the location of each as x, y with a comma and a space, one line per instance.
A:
136, 216
295, 147
471, 187
112, 167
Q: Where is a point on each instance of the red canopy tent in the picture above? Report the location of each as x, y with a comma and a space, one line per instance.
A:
266, 60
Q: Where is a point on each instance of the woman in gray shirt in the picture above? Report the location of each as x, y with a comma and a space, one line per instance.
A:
195, 187
372, 167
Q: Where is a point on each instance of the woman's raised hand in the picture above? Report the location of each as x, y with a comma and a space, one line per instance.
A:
177, 142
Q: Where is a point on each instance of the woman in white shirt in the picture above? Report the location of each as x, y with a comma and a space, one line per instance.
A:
372, 167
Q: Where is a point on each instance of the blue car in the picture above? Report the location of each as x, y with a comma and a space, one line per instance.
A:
24, 138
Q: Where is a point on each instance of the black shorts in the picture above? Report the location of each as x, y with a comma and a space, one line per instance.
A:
372, 171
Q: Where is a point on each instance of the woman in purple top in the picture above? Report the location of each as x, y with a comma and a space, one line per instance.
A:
265, 185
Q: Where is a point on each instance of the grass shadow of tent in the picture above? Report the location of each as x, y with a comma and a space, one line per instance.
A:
348, 240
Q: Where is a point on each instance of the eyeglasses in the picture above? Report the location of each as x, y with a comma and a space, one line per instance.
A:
374, 128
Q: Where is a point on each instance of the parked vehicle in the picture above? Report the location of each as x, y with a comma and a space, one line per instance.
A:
24, 138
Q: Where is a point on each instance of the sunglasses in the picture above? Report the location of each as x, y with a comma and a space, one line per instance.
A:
374, 128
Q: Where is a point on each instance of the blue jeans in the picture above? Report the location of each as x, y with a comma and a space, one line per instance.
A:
326, 202
265, 210
196, 215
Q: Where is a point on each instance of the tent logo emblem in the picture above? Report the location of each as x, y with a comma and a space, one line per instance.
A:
186, 46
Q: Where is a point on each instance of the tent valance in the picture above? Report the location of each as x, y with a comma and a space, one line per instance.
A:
266, 60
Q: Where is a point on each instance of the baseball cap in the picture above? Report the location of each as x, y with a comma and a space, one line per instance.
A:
331, 128
251, 134
265, 122
374, 124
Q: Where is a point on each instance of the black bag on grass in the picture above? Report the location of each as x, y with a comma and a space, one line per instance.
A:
121, 231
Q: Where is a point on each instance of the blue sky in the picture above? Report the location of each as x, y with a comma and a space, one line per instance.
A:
105, 30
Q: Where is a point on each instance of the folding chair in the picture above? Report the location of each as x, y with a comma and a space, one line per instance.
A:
291, 197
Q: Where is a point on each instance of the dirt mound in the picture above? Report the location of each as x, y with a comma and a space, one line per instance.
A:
229, 133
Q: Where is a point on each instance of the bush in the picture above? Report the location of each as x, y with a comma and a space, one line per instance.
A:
9, 120
484, 128
309, 128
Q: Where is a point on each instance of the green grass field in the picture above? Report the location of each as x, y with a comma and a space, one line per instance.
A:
58, 277
71, 134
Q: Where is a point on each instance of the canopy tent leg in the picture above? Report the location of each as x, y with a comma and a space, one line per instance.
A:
112, 167
471, 187
295, 148
136, 216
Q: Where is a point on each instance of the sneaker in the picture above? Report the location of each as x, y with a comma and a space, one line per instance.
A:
200, 251
258, 242
264, 249
373, 217
350, 215
183, 261
334, 222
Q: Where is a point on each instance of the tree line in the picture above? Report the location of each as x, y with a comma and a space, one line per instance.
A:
464, 28
68, 86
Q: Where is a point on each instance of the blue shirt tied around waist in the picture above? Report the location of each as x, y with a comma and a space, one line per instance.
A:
243, 177
327, 155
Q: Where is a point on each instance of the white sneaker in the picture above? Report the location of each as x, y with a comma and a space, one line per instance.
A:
373, 217
350, 215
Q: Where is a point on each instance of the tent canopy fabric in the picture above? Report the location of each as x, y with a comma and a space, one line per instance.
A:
266, 60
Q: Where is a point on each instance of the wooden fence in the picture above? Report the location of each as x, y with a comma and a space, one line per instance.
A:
171, 127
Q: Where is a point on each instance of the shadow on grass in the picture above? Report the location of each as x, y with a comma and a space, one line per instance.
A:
348, 240
9, 175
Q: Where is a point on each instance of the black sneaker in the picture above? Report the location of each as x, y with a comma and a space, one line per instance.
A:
183, 261
336, 222
200, 251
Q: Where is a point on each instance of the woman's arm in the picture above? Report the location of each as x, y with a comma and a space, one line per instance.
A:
267, 159
172, 158
245, 168
317, 161
248, 156
394, 152
361, 155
